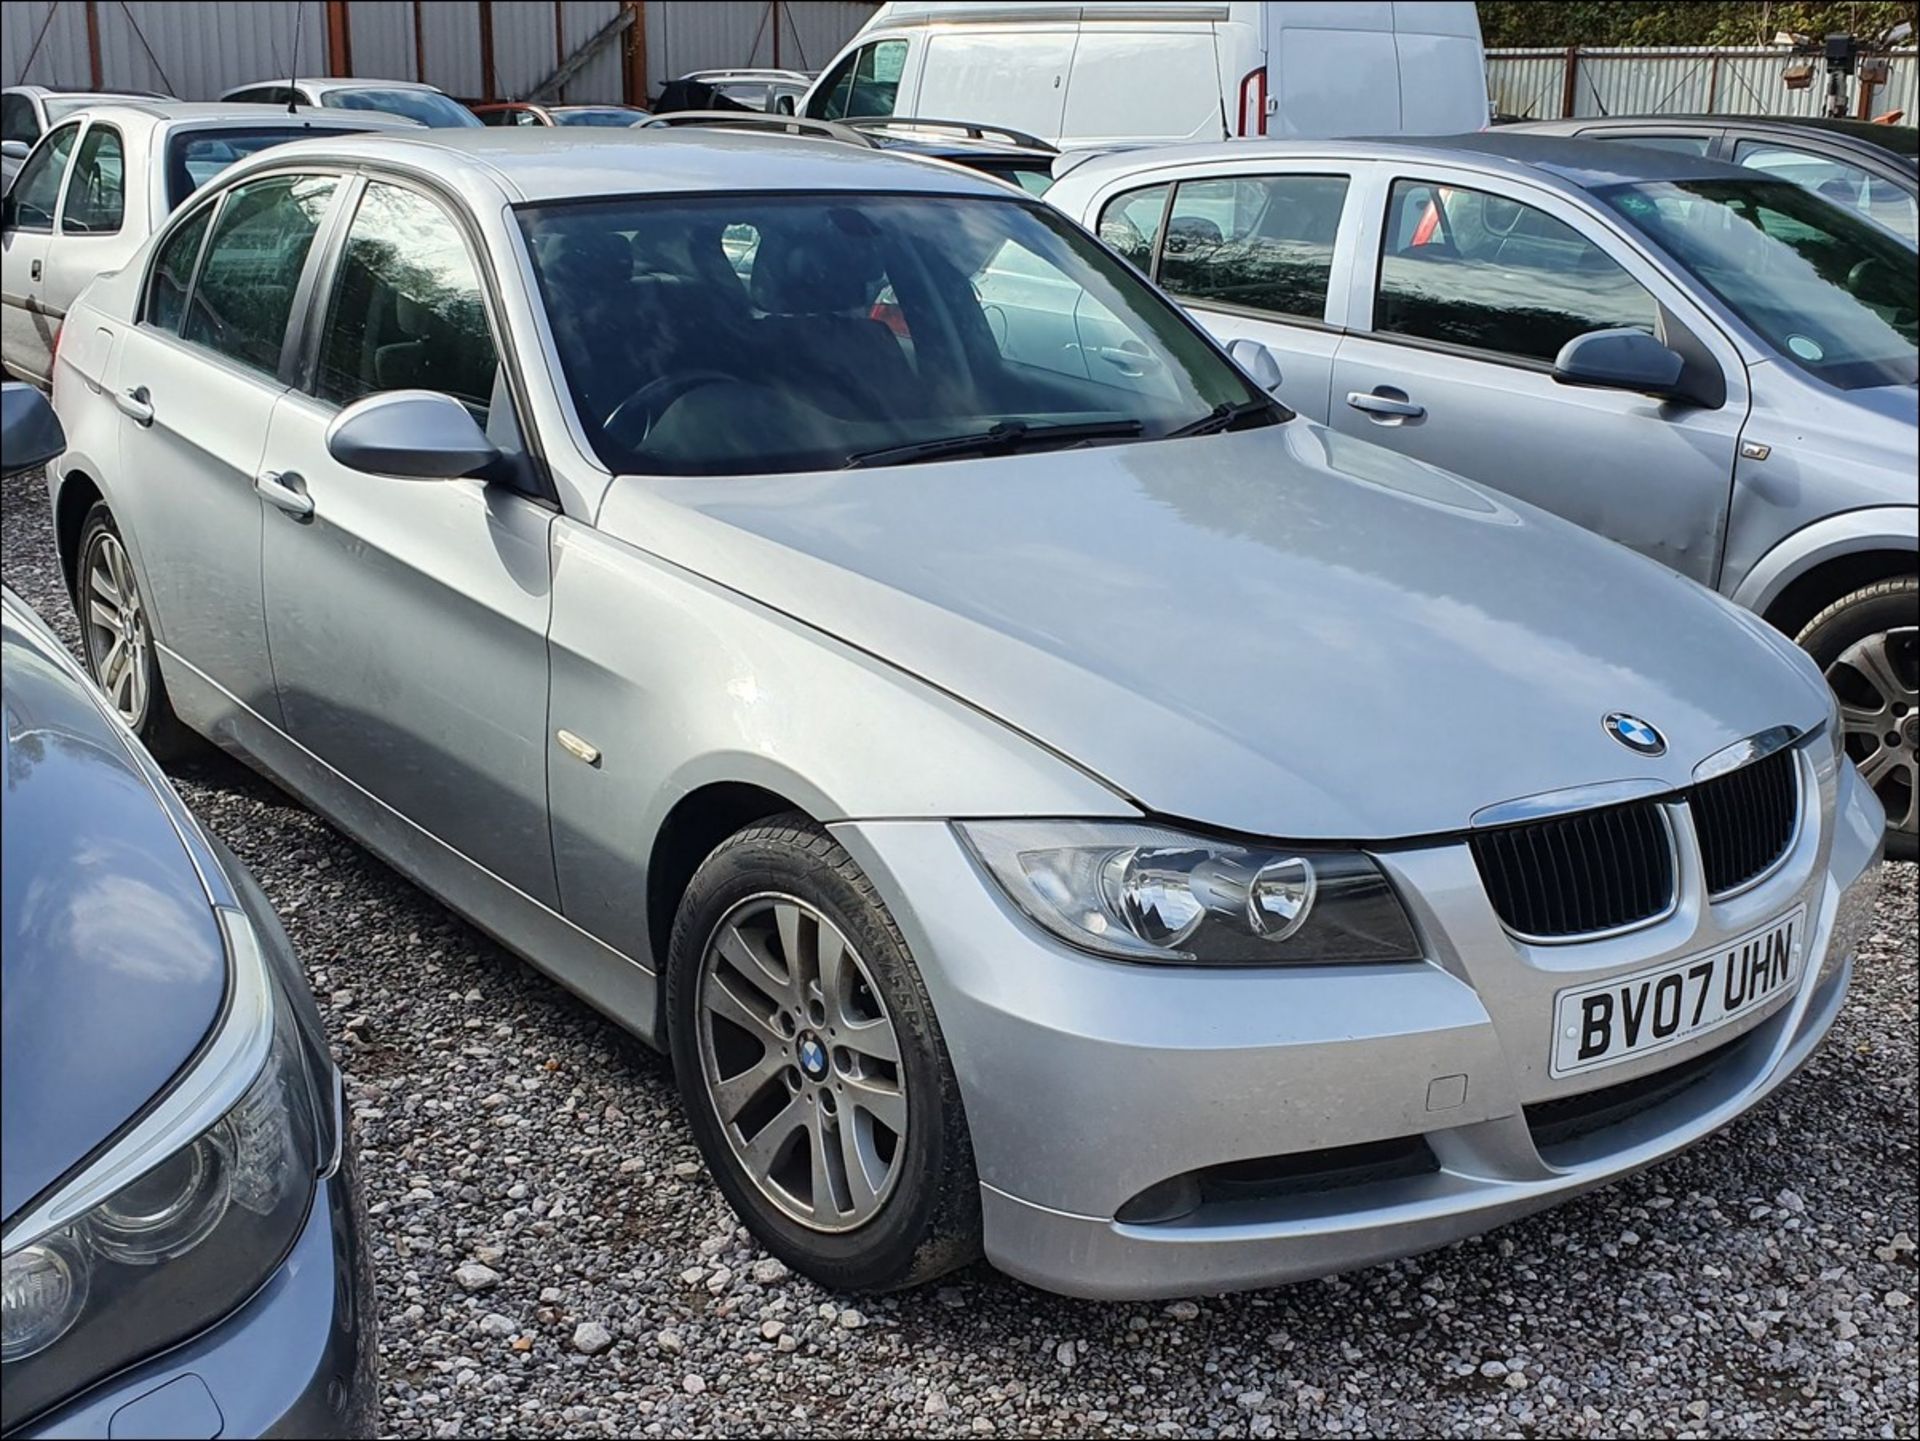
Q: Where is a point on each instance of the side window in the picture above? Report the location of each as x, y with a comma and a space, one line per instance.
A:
173, 271
36, 189
407, 312
258, 248
17, 120
1848, 186
1466, 268
1130, 223
1265, 243
1682, 144
868, 83
97, 194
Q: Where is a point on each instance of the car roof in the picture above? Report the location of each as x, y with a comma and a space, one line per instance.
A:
1583, 164
317, 84
1897, 139
566, 163
214, 114
62, 92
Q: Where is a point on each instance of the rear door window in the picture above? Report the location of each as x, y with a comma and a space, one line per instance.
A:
17, 120
1484, 272
255, 257
173, 271
36, 189
1130, 224
1264, 243
97, 191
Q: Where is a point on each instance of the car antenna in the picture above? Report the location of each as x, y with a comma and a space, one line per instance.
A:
293, 73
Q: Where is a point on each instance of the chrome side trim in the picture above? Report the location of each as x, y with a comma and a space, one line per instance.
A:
1746, 752
1581, 938
1786, 851
211, 1087
1566, 802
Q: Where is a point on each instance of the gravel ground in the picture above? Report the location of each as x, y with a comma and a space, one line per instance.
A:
552, 1259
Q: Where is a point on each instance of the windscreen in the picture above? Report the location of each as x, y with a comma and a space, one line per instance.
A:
747, 334
429, 107
195, 156
1827, 290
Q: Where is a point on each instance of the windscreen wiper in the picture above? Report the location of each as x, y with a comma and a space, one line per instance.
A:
1008, 435
1225, 415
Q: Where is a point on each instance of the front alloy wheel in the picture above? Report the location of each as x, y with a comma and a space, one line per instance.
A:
811, 1065
1868, 644
802, 1063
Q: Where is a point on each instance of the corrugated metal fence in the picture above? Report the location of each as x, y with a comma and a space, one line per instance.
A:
1720, 80
195, 49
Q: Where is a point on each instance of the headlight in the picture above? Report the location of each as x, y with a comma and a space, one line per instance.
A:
1143, 893
189, 1229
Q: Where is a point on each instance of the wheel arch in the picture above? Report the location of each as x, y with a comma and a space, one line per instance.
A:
1816, 565
76, 492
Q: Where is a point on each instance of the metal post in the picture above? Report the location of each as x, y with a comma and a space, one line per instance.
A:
93, 45
339, 39
1713, 82
1566, 82
419, 44
773, 10
635, 80
487, 88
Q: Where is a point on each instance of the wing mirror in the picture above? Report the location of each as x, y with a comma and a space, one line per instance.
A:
1620, 359
1258, 361
30, 433
412, 435
14, 149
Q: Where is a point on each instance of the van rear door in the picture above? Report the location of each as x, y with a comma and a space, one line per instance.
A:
1443, 70
1373, 67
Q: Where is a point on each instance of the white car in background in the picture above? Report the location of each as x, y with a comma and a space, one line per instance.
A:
428, 104
98, 184
28, 111
1098, 74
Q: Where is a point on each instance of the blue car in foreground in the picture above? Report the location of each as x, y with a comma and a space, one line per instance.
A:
180, 1248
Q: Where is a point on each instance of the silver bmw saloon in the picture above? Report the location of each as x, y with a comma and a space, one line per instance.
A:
1050, 800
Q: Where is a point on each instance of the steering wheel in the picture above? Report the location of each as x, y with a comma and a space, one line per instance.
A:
630, 422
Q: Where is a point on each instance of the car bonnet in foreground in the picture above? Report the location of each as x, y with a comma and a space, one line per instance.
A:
111, 963
1280, 631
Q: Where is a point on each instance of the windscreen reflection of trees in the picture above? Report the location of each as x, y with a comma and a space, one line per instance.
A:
1493, 275
1823, 285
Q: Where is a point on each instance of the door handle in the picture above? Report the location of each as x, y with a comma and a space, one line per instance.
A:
1131, 363
135, 404
1373, 404
284, 490
34, 271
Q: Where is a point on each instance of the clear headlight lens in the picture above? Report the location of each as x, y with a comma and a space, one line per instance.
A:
1145, 893
173, 1251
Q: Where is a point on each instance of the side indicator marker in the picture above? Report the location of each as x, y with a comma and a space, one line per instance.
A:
577, 748
1754, 450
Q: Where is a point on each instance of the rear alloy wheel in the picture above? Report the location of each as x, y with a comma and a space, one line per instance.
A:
813, 1072
1869, 646
117, 637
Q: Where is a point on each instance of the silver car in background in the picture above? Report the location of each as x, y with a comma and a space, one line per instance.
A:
1711, 365
100, 182
1100, 819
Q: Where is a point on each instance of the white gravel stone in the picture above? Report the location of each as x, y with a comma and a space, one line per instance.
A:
590, 1338
472, 1276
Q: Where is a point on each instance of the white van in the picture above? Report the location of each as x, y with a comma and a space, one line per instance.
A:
1092, 74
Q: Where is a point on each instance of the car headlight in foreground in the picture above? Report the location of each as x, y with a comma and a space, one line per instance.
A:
1147, 893
182, 1218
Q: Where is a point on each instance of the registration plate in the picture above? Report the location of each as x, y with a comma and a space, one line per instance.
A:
1629, 1016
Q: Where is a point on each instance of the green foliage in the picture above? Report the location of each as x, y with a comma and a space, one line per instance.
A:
1512, 23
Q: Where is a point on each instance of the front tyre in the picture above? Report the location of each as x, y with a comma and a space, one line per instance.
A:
812, 1069
1868, 643
116, 636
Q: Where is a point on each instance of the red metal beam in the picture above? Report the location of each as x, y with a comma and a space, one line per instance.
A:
487, 87
419, 44
93, 46
559, 34
339, 39
634, 85
773, 10
1566, 82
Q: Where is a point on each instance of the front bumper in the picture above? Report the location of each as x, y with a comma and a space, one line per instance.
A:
296, 1360
1088, 1083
